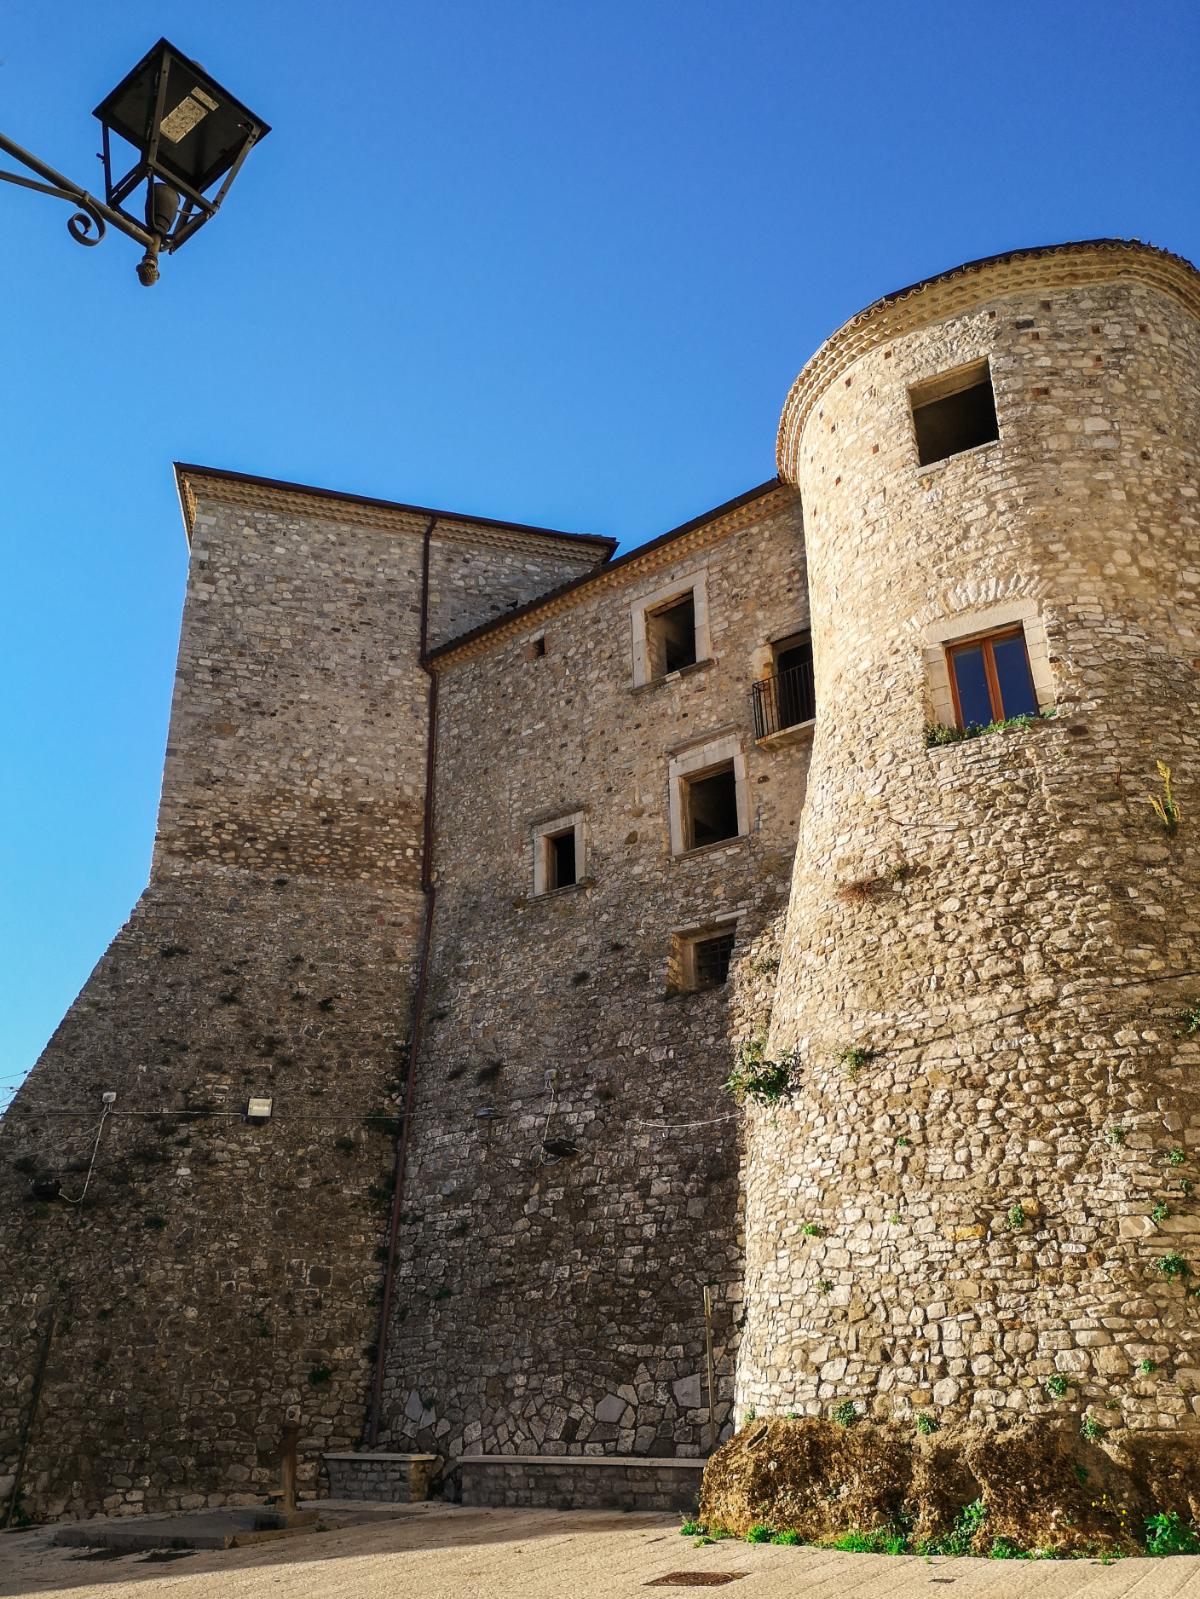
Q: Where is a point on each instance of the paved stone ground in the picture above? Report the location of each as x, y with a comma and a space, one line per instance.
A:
446, 1552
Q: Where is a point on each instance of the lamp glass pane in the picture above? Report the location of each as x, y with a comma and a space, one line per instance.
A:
203, 127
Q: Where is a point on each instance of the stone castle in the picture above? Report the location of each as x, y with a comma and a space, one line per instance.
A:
484, 858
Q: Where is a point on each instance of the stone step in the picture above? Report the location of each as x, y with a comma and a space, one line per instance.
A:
582, 1482
375, 1474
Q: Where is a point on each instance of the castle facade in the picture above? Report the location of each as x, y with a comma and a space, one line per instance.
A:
484, 858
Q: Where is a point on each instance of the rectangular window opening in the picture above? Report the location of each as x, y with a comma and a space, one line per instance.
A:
788, 697
990, 679
710, 959
710, 807
671, 635
561, 866
954, 412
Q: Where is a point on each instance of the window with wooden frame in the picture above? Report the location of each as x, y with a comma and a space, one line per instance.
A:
990, 679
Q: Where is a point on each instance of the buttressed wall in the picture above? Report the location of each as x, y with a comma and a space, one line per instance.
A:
220, 1275
1000, 926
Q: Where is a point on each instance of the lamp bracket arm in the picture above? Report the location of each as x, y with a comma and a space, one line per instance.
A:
92, 213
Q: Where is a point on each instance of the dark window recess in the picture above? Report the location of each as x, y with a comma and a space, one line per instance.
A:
788, 697
671, 636
991, 680
711, 807
535, 649
954, 413
560, 860
710, 960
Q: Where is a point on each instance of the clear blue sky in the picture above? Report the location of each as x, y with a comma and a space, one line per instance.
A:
554, 262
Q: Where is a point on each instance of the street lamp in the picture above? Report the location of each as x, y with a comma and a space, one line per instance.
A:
189, 135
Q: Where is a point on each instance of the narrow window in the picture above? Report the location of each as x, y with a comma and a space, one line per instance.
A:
710, 959
990, 679
788, 696
535, 649
710, 807
560, 860
954, 412
671, 636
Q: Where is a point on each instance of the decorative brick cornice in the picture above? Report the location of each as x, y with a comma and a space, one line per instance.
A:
297, 499
665, 550
1045, 268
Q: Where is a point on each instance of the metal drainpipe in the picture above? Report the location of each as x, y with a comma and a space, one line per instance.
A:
418, 1010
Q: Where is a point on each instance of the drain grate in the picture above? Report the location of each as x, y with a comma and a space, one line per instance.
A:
694, 1579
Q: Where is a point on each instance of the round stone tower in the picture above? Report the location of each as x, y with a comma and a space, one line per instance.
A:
977, 1201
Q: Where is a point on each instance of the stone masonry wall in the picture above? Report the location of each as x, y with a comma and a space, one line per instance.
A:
546, 1301
582, 1483
222, 1275
991, 1215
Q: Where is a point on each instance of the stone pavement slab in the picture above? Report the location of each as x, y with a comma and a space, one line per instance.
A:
193, 1529
437, 1551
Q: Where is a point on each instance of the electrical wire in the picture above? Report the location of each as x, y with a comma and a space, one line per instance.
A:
91, 1163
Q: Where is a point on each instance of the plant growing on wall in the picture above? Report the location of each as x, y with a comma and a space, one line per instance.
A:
939, 733
1173, 1266
1189, 1020
1165, 806
756, 1076
853, 1058
1168, 1534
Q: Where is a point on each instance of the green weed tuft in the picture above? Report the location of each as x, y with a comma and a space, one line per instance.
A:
755, 1076
1168, 1534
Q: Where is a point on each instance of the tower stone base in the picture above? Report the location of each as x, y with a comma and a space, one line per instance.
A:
1038, 1485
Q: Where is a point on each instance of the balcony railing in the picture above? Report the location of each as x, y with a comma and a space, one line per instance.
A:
784, 700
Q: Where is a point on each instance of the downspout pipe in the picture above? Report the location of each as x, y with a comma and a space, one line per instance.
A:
428, 888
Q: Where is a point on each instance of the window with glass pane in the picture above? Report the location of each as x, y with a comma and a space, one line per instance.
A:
991, 680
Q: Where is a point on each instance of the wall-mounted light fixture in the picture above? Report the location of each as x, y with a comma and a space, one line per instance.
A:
189, 135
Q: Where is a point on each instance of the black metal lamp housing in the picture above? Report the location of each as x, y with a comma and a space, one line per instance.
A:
189, 134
